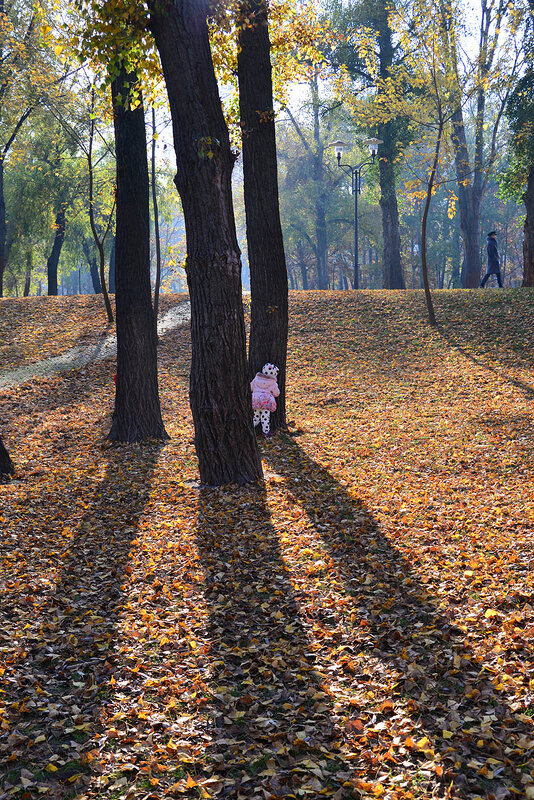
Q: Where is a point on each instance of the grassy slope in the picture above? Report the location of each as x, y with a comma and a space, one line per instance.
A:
360, 626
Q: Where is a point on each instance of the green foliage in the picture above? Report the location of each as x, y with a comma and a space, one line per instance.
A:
520, 113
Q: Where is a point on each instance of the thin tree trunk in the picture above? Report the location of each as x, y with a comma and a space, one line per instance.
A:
6, 465
137, 414
430, 186
156, 219
220, 397
28, 275
3, 228
95, 277
302, 265
320, 202
99, 241
93, 269
53, 259
528, 240
112, 268
267, 262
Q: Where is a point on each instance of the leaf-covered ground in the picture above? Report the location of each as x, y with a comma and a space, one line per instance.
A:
33, 329
359, 626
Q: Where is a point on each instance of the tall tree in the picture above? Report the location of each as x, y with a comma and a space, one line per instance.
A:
518, 180
315, 142
53, 258
137, 414
473, 171
370, 55
220, 398
267, 263
388, 132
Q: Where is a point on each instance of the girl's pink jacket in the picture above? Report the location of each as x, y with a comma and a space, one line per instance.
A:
264, 390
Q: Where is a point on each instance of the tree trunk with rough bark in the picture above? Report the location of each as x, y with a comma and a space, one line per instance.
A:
137, 414
528, 241
267, 262
53, 258
220, 396
6, 465
468, 203
393, 274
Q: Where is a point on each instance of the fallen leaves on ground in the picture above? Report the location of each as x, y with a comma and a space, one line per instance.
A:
33, 329
360, 626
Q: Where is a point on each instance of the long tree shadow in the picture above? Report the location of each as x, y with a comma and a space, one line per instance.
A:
526, 388
456, 698
59, 637
271, 726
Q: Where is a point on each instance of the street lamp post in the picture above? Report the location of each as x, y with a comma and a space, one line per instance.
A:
355, 173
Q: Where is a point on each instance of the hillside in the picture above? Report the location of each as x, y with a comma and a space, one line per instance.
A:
359, 626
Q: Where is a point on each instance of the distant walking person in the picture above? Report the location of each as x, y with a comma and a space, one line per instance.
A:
493, 266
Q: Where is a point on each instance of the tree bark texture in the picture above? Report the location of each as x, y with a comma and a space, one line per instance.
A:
468, 203
6, 465
528, 241
267, 261
393, 274
219, 393
53, 258
137, 414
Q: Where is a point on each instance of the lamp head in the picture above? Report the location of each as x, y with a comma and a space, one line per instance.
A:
338, 147
372, 144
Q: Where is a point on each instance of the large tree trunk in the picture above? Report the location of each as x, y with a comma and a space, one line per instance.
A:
220, 397
137, 414
528, 241
267, 262
6, 465
393, 274
468, 203
53, 258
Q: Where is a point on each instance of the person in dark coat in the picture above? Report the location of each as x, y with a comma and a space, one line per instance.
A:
493, 266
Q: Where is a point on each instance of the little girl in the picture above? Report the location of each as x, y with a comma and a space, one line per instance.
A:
264, 389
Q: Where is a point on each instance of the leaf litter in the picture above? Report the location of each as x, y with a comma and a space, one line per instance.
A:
360, 625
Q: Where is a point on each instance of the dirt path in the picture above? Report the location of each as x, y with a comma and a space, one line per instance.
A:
78, 357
